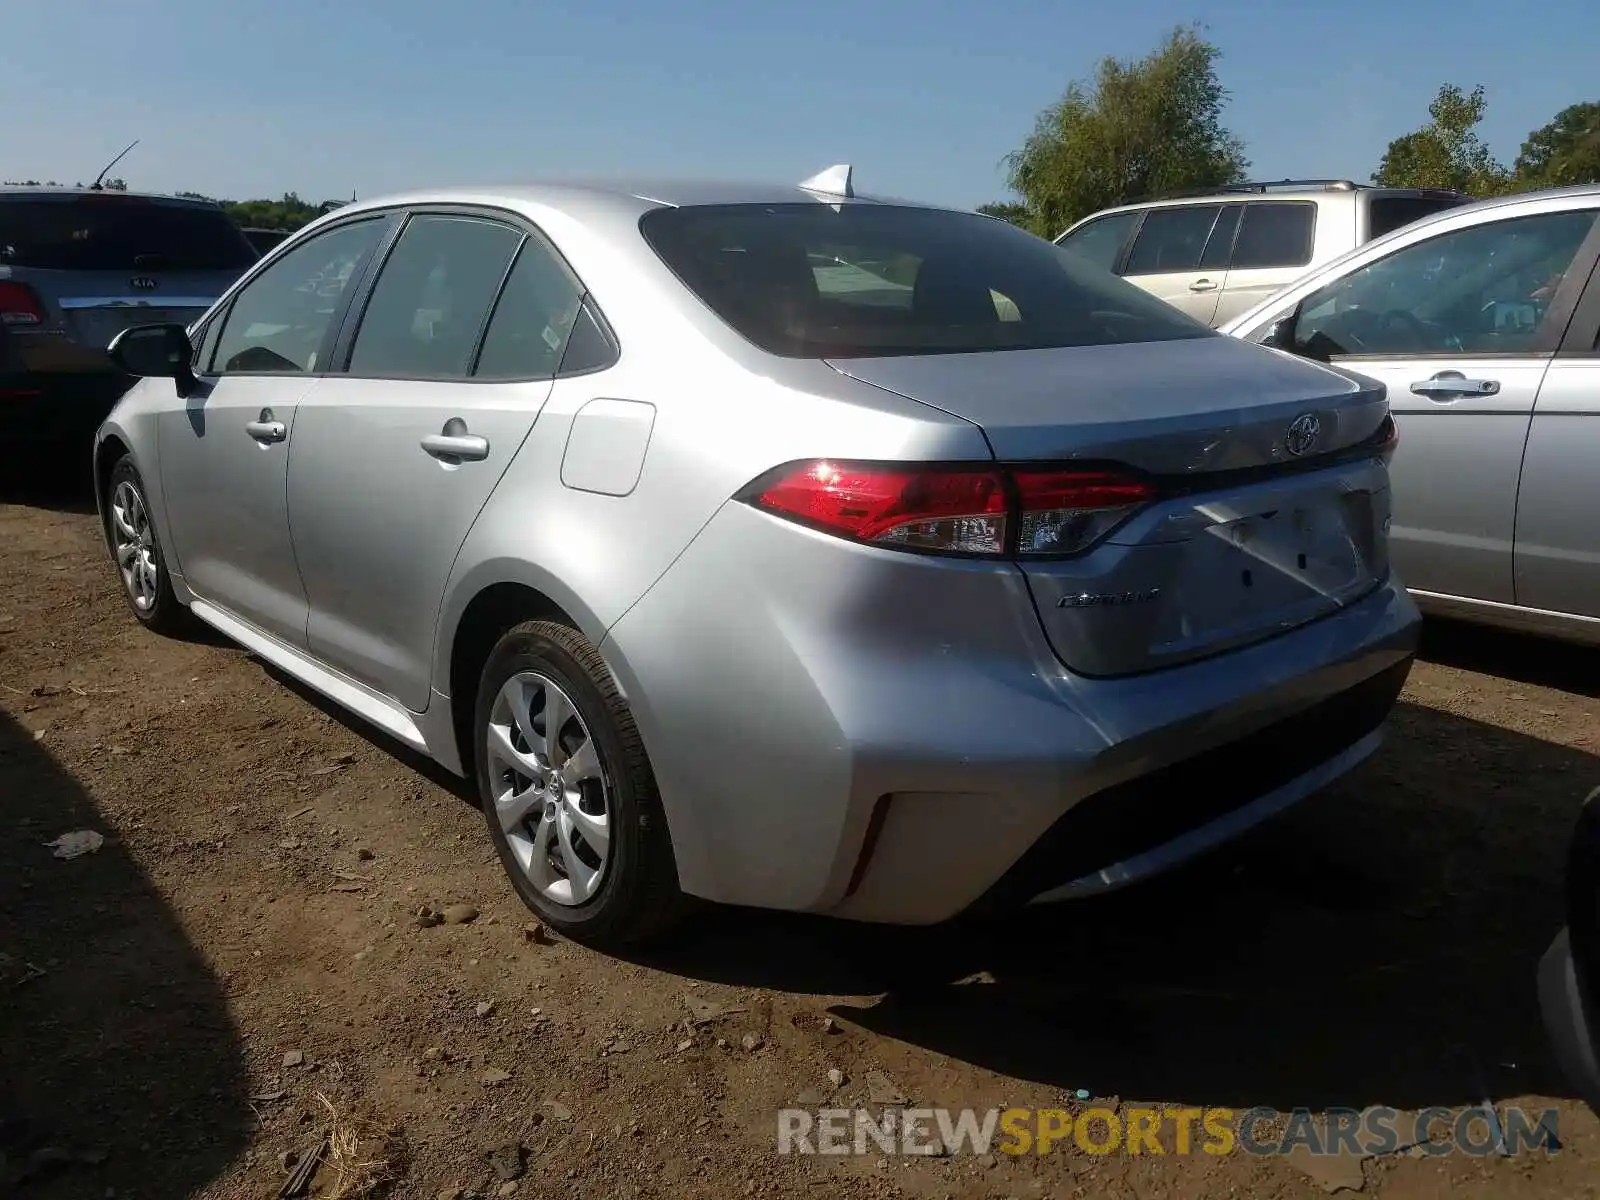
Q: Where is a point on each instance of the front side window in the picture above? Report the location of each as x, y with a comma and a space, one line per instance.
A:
432, 298
1275, 234
1172, 239
811, 281
1100, 241
1481, 290
280, 319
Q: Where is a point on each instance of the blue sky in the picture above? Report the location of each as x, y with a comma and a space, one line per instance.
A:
923, 98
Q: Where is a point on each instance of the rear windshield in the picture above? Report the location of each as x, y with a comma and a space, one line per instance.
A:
1391, 212
812, 280
108, 232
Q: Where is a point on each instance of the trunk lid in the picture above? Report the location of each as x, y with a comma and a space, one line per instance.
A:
1259, 529
102, 261
1172, 408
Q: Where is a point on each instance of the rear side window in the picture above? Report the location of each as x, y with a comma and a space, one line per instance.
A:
1389, 213
533, 319
810, 280
1275, 234
1100, 241
432, 298
113, 232
1172, 239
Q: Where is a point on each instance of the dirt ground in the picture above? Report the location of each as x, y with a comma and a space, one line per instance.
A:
238, 968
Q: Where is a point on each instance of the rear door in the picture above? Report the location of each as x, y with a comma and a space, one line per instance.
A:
1558, 533
1180, 254
1273, 247
1461, 326
102, 261
395, 455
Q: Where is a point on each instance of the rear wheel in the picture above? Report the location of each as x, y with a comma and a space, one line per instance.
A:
136, 548
568, 792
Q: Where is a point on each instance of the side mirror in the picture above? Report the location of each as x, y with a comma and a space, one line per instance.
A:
155, 352
1282, 334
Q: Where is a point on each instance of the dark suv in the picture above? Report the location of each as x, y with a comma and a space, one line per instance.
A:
77, 266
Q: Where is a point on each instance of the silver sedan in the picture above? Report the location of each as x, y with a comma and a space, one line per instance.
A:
1484, 324
772, 545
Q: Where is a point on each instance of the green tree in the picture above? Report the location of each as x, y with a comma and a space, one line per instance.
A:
1566, 151
1017, 214
1137, 128
1447, 152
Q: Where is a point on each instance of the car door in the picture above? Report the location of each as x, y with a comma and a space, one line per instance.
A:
1180, 254
1455, 326
1558, 533
224, 450
1274, 245
395, 456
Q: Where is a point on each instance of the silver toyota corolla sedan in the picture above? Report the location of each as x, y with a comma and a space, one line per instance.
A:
772, 544
1484, 324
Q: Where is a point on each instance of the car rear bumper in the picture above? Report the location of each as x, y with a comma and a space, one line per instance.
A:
888, 737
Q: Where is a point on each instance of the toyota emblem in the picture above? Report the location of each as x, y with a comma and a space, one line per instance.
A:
143, 283
1302, 434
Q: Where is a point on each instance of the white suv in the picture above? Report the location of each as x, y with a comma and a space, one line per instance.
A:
1216, 253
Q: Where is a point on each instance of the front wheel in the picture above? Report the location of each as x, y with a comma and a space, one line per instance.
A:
568, 792
136, 549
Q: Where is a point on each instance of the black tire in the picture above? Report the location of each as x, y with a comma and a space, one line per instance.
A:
638, 896
165, 615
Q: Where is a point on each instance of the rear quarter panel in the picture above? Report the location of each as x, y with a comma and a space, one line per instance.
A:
724, 412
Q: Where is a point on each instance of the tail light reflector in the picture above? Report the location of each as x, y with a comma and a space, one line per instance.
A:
955, 510
19, 305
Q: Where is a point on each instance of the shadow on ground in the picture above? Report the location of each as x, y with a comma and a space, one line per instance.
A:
1376, 945
47, 477
1540, 661
120, 1064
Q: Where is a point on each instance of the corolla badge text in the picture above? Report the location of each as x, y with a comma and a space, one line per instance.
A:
1109, 599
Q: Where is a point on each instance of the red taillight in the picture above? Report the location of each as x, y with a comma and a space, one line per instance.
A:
1067, 510
19, 306
1388, 435
962, 512
985, 511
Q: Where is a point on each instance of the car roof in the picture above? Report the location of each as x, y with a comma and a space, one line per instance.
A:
58, 192
643, 192
1310, 190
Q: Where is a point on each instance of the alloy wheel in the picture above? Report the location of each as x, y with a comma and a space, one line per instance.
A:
135, 545
550, 793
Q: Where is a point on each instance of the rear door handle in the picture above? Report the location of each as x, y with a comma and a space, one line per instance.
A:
1452, 385
266, 429
454, 444
1203, 285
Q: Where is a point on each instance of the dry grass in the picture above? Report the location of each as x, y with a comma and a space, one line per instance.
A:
360, 1158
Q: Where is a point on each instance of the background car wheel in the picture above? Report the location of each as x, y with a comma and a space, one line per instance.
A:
136, 550
567, 790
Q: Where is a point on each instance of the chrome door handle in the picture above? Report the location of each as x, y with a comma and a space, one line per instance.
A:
466, 448
266, 432
1452, 385
1203, 285
454, 444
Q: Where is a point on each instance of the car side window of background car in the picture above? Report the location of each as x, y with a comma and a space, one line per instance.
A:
1100, 241
533, 319
1172, 239
280, 319
1485, 289
1275, 234
432, 297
